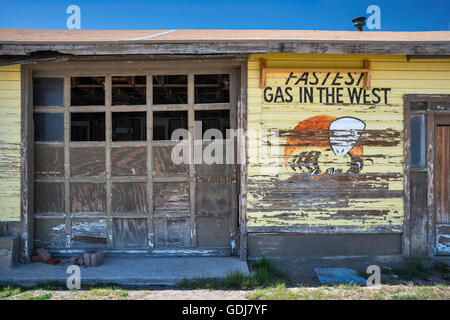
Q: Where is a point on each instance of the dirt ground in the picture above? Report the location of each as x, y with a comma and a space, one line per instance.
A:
400, 280
340, 292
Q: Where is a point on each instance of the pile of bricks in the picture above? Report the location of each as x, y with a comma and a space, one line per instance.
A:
89, 258
44, 256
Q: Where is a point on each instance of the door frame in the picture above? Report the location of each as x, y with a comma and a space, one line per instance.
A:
238, 62
439, 120
432, 118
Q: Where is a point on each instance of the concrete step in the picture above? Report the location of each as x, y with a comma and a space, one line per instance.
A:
128, 271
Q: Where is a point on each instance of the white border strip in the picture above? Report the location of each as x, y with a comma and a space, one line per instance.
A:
153, 35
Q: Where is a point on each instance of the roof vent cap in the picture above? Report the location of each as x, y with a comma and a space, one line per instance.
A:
359, 23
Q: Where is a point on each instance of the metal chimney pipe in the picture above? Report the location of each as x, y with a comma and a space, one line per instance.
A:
359, 23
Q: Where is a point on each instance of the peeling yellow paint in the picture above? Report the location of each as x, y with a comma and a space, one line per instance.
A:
10, 131
370, 200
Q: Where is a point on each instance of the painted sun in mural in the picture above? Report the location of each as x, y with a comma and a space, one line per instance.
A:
326, 145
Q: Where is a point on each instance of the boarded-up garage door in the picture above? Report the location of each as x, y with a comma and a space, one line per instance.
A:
104, 175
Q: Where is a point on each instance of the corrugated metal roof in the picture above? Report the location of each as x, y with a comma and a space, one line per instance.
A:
8, 35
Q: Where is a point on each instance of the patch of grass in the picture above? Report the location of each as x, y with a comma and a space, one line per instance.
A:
103, 292
278, 292
265, 274
350, 286
123, 293
51, 285
420, 293
379, 296
442, 266
9, 291
414, 269
403, 297
43, 296
443, 269
318, 294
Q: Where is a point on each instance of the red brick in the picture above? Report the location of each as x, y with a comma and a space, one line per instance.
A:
52, 261
96, 258
45, 255
36, 258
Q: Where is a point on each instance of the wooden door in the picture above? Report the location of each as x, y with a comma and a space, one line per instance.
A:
442, 189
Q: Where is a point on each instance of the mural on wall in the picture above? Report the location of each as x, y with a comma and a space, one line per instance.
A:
326, 145
328, 153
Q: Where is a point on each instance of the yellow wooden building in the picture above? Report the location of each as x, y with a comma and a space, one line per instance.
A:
341, 142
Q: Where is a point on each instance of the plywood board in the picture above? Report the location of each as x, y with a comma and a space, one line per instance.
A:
172, 233
129, 197
164, 165
49, 161
129, 161
213, 232
49, 197
87, 161
170, 196
88, 197
130, 233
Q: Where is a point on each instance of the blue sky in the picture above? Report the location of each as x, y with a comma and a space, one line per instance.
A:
396, 15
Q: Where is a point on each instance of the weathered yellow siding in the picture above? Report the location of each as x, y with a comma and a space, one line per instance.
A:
302, 199
10, 128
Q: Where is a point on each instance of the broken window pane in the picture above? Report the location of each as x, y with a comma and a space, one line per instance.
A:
88, 91
88, 126
129, 90
441, 105
48, 92
165, 122
49, 127
214, 119
418, 152
129, 126
170, 89
422, 105
212, 88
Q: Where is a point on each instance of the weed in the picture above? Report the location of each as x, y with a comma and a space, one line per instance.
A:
403, 297
279, 292
442, 267
44, 296
265, 274
414, 269
9, 291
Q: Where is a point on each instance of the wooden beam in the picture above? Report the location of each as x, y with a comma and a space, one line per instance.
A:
264, 70
366, 79
430, 48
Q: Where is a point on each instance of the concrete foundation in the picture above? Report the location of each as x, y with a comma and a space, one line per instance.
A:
298, 245
9, 252
128, 271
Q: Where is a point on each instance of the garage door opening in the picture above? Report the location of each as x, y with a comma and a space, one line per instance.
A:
104, 177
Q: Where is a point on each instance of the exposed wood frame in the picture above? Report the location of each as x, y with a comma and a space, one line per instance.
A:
264, 70
242, 162
227, 47
430, 122
108, 69
26, 167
